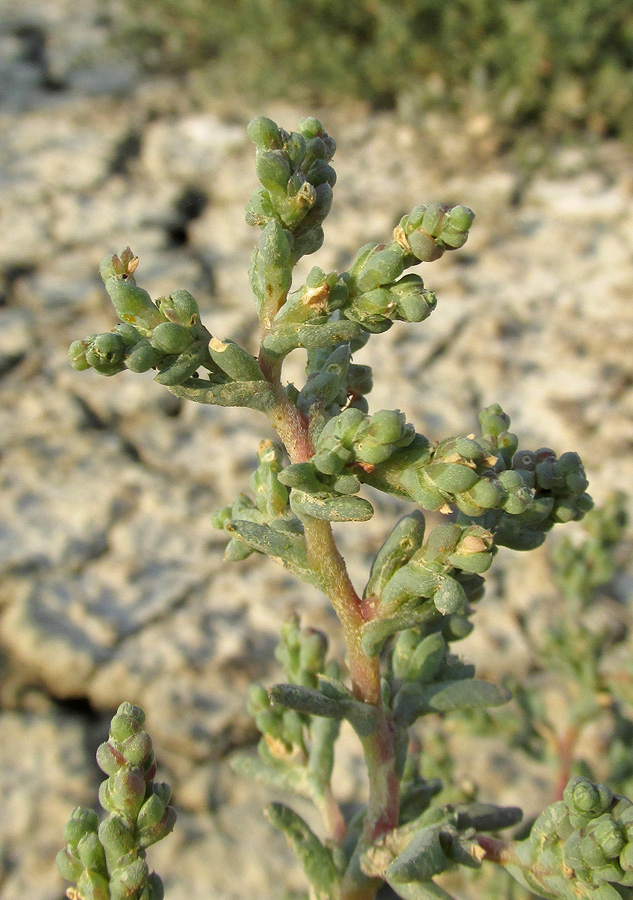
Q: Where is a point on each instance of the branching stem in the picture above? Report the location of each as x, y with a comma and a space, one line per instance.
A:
325, 558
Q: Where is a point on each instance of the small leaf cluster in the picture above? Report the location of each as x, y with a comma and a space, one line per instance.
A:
107, 861
296, 750
580, 846
371, 295
413, 581
166, 335
299, 723
440, 839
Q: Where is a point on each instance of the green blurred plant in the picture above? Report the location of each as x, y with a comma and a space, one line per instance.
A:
422, 587
580, 653
107, 861
559, 66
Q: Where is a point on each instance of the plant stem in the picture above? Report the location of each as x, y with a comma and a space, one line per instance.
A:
496, 850
566, 749
333, 817
379, 747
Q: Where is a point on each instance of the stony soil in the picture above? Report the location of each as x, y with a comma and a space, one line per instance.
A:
113, 584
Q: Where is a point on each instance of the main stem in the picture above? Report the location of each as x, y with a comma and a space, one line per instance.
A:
324, 557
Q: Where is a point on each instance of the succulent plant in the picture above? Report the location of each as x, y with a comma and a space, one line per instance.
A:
422, 587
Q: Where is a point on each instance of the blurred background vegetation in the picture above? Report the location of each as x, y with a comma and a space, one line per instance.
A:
553, 68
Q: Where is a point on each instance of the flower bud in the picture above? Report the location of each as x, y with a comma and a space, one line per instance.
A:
132, 303
303, 477
91, 853
68, 866
420, 661
434, 218
441, 541
473, 552
106, 349
264, 133
301, 198
565, 510
389, 426
162, 791
294, 146
129, 879
109, 759
450, 596
424, 247
259, 210
461, 218
143, 357
414, 303
82, 821
452, 477
380, 268
608, 836
452, 239
310, 127
180, 307
169, 337
457, 627
155, 820
493, 420
127, 791
77, 354
487, 493
272, 169
320, 172
137, 749
573, 470
123, 725
308, 241
117, 838
548, 476
413, 221
317, 213
237, 550
93, 886
423, 490
524, 459
585, 797
373, 310
518, 495
315, 150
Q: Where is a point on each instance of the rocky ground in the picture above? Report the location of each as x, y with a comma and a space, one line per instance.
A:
113, 584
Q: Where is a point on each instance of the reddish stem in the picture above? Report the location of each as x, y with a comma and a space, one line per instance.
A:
566, 748
324, 557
